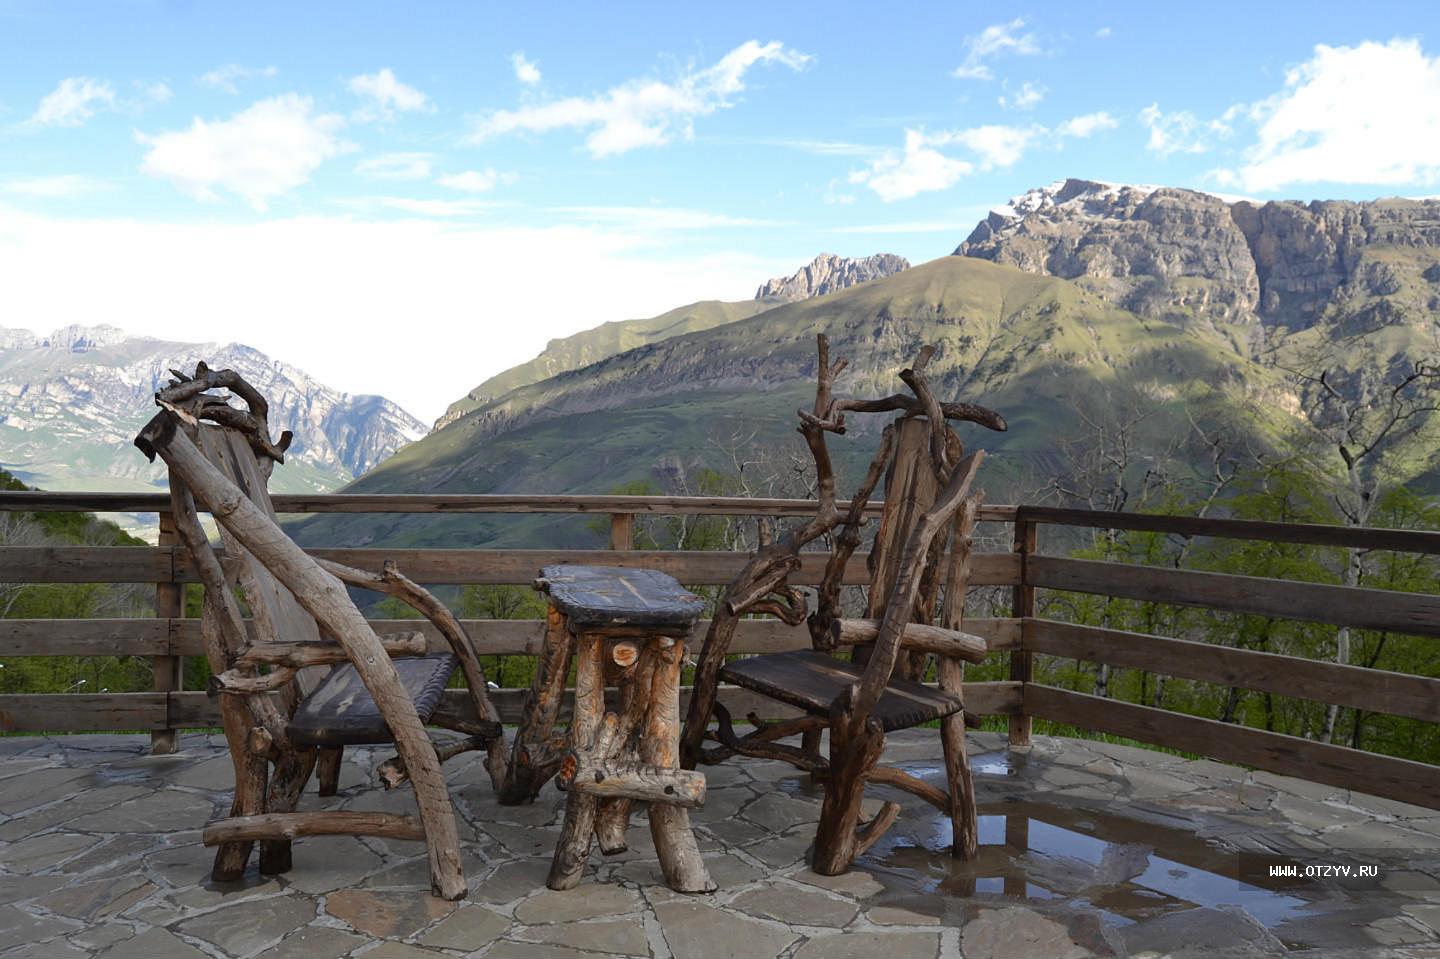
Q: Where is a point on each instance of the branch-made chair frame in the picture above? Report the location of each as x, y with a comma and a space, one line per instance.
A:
921, 559
219, 459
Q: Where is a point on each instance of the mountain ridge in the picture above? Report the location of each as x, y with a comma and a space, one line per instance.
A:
827, 273
74, 398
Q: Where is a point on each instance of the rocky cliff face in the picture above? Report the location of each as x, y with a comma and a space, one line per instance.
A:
1181, 253
828, 273
71, 402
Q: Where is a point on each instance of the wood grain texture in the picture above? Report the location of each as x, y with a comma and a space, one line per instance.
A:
811, 681
917, 636
326, 823
489, 637
1373, 690
155, 564
1410, 613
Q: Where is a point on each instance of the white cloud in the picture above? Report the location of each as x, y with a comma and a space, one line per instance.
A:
261, 152
227, 78
476, 181
928, 161
1368, 114
996, 145
1103, 33
1026, 98
384, 96
643, 113
992, 42
54, 186
71, 103
1087, 125
919, 169
396, 166
1182, 131
526, 71
456, 285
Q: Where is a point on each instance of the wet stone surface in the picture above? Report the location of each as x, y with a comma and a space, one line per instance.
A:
1087, 849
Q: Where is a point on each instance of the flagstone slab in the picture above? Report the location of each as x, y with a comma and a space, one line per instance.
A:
90, 901
388, 915
153, 943
698, 931
313, 942
870, 945
616, 936
467, 928
796, 905
245, 927
589, 900
44, 852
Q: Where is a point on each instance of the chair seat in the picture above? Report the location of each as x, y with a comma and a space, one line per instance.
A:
811, 681
341, 711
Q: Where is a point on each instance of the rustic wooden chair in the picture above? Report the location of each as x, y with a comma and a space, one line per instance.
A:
920, 559
310, 677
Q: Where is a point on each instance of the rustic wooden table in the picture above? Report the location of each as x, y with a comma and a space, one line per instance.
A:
627, 627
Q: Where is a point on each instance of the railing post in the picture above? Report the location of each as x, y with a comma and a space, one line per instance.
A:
622, 530
169, 670
1022, 661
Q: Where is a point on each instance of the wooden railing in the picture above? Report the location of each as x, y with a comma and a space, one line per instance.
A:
168, 636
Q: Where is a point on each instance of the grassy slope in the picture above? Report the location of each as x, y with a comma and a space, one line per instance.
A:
1033, 347
608, 339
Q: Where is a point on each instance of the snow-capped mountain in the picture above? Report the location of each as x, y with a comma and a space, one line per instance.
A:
72, 401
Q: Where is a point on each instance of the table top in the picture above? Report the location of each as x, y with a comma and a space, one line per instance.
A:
606, 596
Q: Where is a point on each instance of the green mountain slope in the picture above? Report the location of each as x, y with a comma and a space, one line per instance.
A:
582, 349
1050, 356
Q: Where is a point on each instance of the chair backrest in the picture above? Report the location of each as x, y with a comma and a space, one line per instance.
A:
912, 484
275, 612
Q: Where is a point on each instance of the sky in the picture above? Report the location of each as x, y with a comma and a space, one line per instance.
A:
406, 199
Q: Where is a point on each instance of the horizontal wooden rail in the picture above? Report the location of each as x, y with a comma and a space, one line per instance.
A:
68, 712
491, 637
1372, 690
165, 564
1402, 779
1415, 614
45, 501
1314, 534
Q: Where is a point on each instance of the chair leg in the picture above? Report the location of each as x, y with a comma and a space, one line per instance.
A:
964, 827
252, 769
837, 841
327, 769
292, 772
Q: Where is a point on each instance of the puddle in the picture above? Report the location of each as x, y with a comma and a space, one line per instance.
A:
1119, 869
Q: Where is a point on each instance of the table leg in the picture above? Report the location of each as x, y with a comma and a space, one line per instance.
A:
573, 849
533, 756
613, 819
680, 858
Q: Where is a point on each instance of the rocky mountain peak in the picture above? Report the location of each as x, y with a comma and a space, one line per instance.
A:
828, 273
74, 399
78, 338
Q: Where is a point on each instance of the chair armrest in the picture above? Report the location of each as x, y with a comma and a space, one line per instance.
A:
298, 655
917, 636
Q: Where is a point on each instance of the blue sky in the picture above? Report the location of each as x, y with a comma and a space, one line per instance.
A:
465, 181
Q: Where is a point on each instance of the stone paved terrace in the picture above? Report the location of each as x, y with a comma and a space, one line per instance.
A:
1126, 852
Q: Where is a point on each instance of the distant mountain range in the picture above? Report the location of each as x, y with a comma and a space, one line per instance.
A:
72, 401
1094, 296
